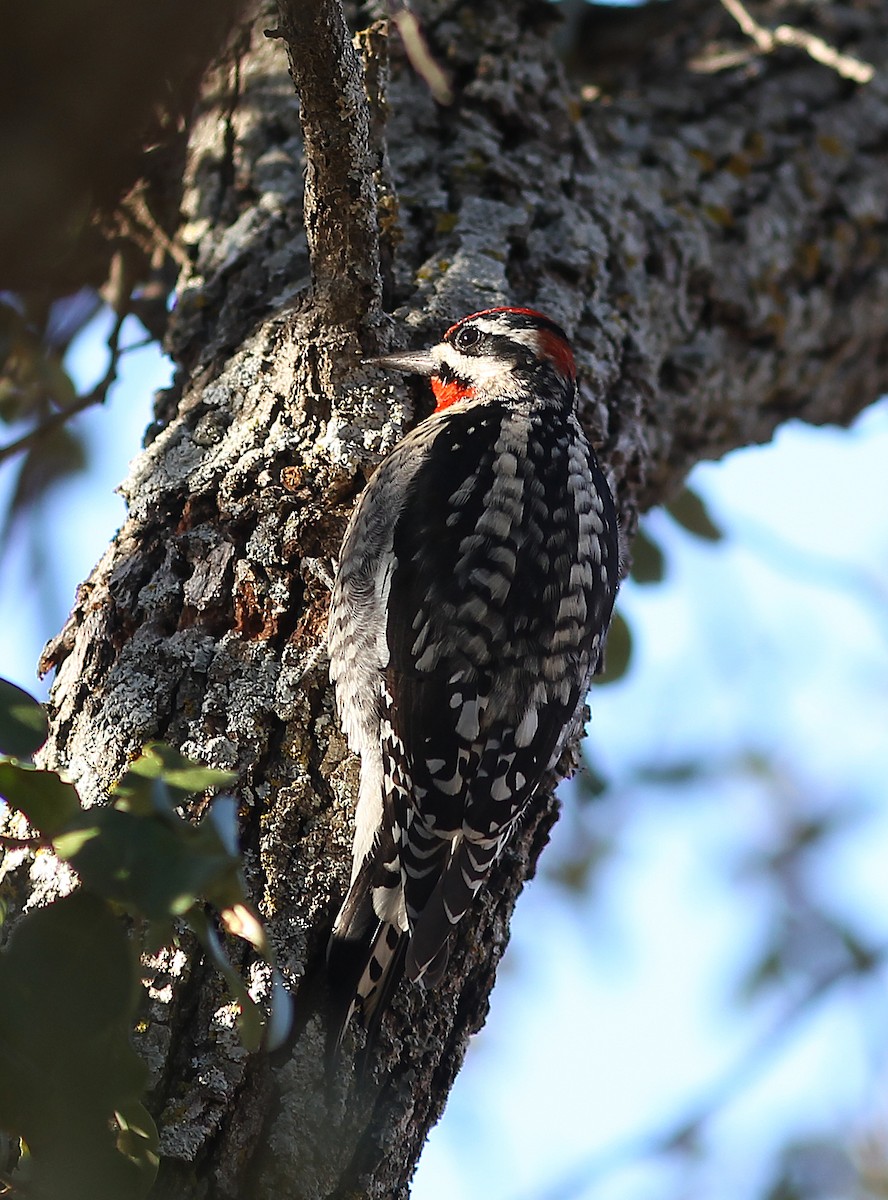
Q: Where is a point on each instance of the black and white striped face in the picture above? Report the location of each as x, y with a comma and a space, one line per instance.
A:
492, 354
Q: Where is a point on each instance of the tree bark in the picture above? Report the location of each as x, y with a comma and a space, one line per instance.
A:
715, 245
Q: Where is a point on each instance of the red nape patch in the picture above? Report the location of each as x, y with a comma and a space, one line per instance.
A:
558, 352
448, 393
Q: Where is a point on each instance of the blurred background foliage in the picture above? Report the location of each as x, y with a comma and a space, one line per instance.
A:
761, 814
93, 127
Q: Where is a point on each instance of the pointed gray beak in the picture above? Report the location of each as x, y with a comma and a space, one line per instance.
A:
412, 362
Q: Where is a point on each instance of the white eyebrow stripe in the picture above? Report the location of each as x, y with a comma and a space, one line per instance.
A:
527, 337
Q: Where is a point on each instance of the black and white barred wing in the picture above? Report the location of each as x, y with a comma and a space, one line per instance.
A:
488, 660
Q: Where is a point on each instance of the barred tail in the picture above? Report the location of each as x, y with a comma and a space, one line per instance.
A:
365, 960
459, 883
373, 943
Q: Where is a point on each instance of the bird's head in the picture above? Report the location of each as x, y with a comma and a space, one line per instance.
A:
498, 354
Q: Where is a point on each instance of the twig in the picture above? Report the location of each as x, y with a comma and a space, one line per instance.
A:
98, 395
417, 50
140, 220
845, 65
341, 222
8, 842
767, 40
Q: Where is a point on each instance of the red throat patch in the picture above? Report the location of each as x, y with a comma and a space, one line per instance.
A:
448, 393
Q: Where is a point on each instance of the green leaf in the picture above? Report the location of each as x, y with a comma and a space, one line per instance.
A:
155, 868
159, 761
137, 1137
590, 784
618, 652
573, 874
47, 801
55, 455
77, 939
58, 384
691, 513
71, 841
673, 774
157, 934
68, 990
648, 564
23, 725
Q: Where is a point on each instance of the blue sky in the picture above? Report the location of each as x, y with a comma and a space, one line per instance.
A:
616, 1013
616, 1010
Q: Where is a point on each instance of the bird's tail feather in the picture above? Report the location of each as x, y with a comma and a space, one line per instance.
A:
365, 960
448, 903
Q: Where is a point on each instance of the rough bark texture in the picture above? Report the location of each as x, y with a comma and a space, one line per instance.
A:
715, 245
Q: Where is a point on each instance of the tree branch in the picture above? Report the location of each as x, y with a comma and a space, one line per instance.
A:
97, 395
768, 40
340, 195
417, 50
10, 843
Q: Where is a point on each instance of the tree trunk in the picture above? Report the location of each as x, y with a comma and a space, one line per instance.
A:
714, 242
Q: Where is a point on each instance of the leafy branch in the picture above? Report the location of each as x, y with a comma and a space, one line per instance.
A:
71, 1083
94, 396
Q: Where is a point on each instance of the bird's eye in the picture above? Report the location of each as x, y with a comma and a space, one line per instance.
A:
467, 337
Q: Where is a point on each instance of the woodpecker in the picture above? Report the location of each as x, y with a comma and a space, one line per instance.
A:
470, 606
